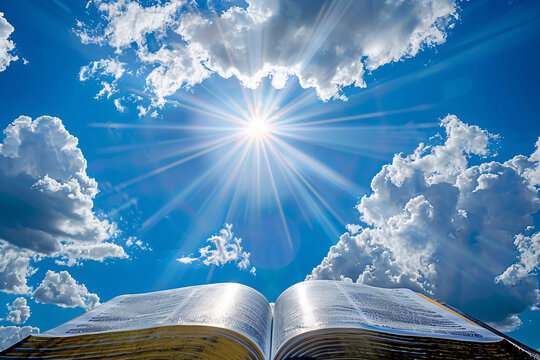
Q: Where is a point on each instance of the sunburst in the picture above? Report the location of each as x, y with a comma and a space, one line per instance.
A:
256, 147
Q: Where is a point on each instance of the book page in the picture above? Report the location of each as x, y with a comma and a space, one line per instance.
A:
230, 306
320, 304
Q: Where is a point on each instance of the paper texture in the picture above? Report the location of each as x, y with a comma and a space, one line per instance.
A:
320, 304
230, 306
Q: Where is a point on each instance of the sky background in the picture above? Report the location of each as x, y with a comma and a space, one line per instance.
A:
163, 111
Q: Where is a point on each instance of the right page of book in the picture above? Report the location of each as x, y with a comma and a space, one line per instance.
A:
320, 304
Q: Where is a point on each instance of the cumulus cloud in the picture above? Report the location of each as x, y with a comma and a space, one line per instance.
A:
61, 289
438, 224
43, 173
14, 268
225, 248
19, 312
326, 46
529, 257
10, 335
510, 323
46, 202
6, 45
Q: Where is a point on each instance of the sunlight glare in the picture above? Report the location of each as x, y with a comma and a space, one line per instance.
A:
257, 127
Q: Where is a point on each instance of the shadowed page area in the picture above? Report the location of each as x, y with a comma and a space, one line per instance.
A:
172, 342
372, 345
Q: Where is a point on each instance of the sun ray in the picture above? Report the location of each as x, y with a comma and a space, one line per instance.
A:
194, 146
238, 185
298, 103
277, 198
322, 29
172, 165
312, 204
193, 185
309, 186
205, 108
233, 178
142, 145
318, 167
150, 126
356, 117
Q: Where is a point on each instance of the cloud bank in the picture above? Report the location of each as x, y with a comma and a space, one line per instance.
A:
61, 289
225, 248
438, 224
6, 45
46, 202
327, 46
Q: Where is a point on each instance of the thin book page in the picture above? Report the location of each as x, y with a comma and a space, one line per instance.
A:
320, 304
229, 306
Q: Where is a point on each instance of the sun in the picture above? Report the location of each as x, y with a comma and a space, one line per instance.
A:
257, 127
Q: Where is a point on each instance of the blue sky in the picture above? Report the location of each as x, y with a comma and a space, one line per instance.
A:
206, 132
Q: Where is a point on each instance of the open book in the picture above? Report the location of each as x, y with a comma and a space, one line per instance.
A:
310, 320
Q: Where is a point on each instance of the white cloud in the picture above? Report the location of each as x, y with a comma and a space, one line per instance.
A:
438, 224
176, 69
19, 311
47, 202
142, 110
225, 249
326, 46
6, 45
14, 269
128, 22
104, 69
509, 324
187, 260
118, 104
529, 258
132, 241
353, 228
10, 335
43, 173
72, 253
532, 173
107, 90
62, 290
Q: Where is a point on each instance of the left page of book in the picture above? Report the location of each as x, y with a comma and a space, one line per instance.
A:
229, 306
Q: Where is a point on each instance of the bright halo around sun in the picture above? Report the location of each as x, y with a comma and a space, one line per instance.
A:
257, 127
